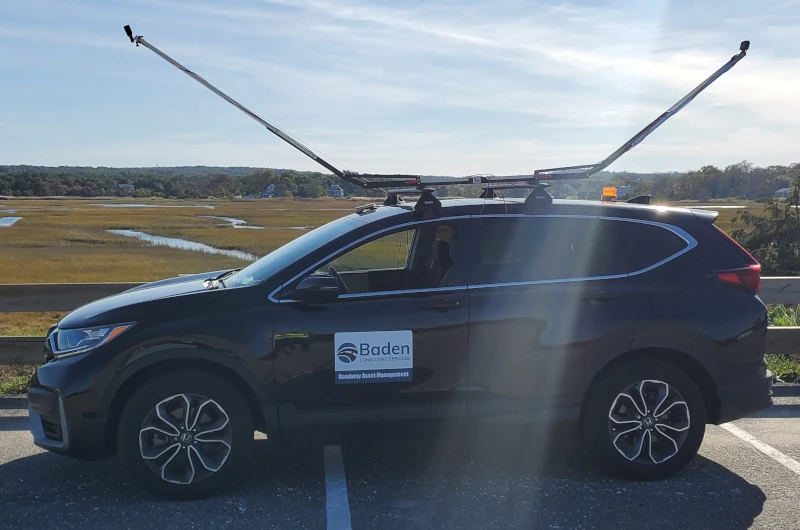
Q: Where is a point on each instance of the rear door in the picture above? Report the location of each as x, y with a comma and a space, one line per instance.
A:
394, 346
551, 302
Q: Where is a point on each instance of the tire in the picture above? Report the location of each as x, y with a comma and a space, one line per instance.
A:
219, 416
608, 415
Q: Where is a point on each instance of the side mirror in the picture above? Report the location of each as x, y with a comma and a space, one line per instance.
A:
316, 289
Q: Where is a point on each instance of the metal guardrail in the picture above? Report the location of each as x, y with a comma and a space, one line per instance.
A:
33, 297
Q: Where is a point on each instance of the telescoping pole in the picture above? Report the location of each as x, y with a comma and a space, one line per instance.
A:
283, 135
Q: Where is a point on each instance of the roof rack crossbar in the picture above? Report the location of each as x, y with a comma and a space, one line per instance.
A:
377, 181
512, 186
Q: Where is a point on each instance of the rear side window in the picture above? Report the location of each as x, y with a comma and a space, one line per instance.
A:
556, 248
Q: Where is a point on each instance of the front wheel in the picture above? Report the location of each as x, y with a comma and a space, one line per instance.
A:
645, 419
185, 434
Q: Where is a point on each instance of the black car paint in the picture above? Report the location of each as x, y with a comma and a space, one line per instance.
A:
281, 351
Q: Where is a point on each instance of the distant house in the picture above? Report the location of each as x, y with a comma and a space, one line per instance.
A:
335, 191
269, 192
123, 188
782, 193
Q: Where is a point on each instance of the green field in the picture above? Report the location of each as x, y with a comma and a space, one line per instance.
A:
67, 240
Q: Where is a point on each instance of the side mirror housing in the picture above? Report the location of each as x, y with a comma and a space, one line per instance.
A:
316, 289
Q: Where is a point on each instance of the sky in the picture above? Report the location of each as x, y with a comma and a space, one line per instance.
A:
426, 87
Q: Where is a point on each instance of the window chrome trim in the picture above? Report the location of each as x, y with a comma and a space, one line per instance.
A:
403, 291
542, 282
685, 236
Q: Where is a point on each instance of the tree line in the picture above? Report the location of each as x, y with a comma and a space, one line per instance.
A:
194, 182
742, 180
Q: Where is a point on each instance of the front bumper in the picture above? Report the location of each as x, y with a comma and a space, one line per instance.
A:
63, 408
84, 439
745, 398
48, 422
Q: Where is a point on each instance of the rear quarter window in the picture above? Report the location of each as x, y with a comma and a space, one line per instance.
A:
642, 245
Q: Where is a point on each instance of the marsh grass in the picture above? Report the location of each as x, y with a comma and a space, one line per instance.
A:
66, 240
28, 324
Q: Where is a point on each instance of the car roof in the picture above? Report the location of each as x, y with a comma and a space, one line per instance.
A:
468, 206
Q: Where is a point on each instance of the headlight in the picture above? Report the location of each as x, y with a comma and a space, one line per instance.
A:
75, 341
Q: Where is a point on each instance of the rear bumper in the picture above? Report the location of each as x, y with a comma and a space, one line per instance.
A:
742, 399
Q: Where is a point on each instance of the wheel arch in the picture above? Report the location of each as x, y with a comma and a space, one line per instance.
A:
685, 362
184, 357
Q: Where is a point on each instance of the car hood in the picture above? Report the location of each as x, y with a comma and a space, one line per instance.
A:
179, 279
173, 294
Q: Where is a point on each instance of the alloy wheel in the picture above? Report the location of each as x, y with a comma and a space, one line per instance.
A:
649, 422
185, 438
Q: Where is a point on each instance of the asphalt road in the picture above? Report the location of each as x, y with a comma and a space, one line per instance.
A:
490, 479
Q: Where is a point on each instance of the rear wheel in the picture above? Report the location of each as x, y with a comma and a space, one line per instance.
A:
185, 434
645, 419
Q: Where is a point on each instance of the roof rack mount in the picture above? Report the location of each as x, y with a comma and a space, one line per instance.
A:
378, 181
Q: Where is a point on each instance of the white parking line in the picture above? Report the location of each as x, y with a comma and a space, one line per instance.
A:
787, 461
336, 489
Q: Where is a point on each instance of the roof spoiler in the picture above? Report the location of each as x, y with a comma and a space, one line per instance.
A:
640, 199
707, 216
377, 181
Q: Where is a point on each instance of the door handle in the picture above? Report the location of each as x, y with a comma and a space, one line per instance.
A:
601, 297
439, 306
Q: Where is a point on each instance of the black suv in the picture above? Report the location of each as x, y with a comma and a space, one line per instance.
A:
642, 322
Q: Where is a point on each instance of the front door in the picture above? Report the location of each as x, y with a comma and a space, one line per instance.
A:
392, 346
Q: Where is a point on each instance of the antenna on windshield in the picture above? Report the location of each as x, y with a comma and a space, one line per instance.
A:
533, 180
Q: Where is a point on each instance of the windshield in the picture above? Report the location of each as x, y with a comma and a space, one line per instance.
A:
282, 257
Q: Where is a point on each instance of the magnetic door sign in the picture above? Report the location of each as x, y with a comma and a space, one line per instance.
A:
373, 356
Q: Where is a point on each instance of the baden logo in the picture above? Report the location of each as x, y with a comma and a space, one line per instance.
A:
347, 352
373, 356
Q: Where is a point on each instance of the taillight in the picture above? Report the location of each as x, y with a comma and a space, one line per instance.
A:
747, 278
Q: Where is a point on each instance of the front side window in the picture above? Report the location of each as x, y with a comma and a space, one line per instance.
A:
387, 252
556, 248
420, 257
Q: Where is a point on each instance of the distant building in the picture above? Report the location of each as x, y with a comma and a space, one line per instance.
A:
269, 192
335, 191
123, 188
782, 193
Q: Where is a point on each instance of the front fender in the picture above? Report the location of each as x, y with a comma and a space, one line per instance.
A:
173, 355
